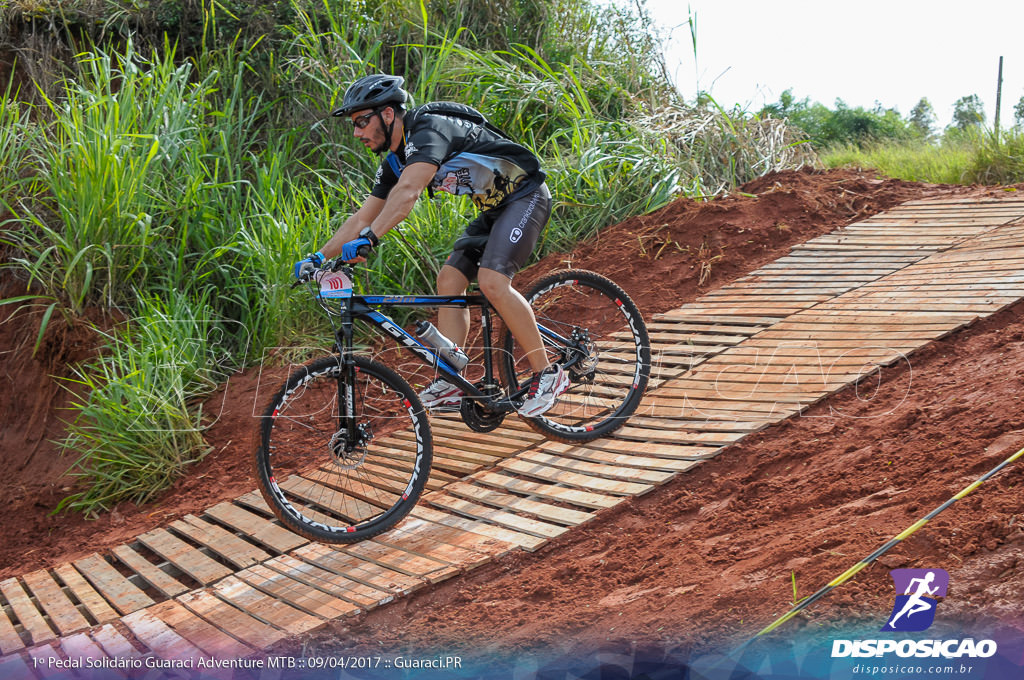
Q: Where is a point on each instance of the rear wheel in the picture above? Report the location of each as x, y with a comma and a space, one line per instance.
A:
330, 484
592, 328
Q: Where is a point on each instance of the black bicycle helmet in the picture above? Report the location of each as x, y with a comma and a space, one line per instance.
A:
371, 92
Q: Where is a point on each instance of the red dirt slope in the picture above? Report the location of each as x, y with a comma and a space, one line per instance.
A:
663, 260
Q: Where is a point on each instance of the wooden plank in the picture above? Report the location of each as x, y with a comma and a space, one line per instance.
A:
518, 504
598, 469
664, 433
484, 446
10, 641
671, 451
62, 611
152, 574
507, 519
271, 610
118, 591
736, 423
400, 560
793, 352
684, 406
586, 499
447, 537
273, 536
669, 465
575, 479
430, 540
114, 643
516, 538
188, 559
453, 433
719, 316
297, 593
199, 632
93, 602
239, 552
857, 335
359, 594
823, 322
80, 647
356, 569
31, 620
232, 620
159, 637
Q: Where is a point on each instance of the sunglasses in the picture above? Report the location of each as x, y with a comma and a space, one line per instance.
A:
362, 121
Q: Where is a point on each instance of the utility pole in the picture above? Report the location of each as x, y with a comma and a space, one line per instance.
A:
999, 96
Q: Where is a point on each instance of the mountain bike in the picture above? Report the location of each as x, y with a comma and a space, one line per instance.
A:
322, 464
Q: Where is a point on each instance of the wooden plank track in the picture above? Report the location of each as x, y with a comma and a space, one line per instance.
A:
61, 610
232, 581
122, 594
31, 619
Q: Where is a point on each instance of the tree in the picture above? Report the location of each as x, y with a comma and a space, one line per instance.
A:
1018, 113
968, 112
844, 125
922, 117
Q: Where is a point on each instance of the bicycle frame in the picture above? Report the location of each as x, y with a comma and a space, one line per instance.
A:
363, 307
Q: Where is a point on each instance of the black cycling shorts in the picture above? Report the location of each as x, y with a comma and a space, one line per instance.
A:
503, 238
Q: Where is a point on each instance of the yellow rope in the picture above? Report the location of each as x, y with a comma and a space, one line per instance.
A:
852, 571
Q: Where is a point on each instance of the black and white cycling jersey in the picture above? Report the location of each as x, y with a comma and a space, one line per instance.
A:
470, 159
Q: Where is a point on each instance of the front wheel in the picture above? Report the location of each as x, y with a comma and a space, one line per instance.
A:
593, 329
328, 478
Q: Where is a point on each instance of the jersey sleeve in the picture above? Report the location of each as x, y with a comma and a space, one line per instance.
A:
384, 181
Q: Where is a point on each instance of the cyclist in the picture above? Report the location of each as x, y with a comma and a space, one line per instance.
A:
434, 151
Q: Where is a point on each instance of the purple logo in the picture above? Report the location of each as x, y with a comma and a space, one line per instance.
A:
917, 593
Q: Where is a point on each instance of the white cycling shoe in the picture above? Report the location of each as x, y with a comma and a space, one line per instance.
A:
441, 395
545, 388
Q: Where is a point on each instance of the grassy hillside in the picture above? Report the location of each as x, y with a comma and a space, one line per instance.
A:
170, 161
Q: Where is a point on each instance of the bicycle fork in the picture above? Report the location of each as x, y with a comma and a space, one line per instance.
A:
354, 436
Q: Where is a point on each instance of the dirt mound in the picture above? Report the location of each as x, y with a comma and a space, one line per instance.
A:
663, 259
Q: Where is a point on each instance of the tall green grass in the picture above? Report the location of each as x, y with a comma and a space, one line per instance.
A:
977, 156
913, 161
138, 424
17, 138
181, 191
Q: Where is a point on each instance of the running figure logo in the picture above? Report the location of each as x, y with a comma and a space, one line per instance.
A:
917, 596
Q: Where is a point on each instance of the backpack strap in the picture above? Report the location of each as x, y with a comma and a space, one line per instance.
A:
396, 165
463, 111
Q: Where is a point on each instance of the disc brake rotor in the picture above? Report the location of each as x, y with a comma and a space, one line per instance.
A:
349, 460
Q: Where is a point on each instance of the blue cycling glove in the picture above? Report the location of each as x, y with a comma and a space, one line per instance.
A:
350, 250
303, 267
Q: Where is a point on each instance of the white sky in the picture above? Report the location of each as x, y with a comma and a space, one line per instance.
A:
893, 52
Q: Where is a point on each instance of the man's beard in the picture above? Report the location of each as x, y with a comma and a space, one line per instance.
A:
382, 147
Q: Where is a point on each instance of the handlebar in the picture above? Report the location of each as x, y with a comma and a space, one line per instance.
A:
329, 266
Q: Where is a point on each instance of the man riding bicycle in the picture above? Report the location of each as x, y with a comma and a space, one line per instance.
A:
427, 149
